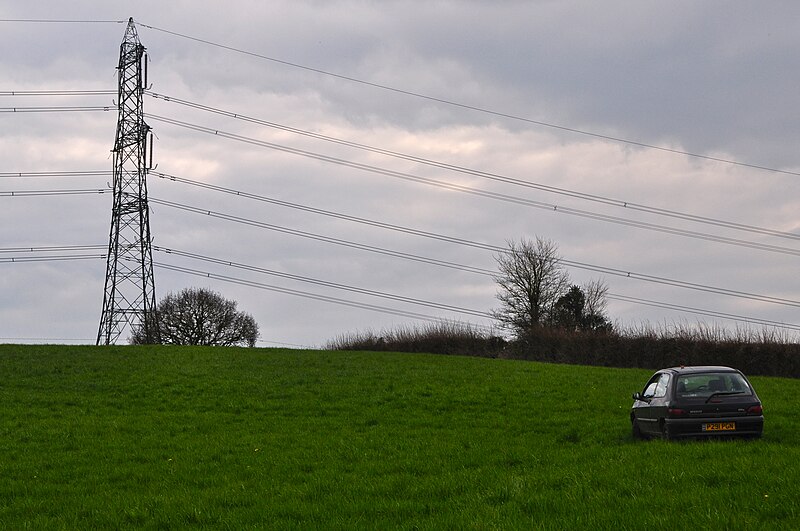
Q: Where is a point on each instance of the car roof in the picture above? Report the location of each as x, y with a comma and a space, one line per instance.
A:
700, 369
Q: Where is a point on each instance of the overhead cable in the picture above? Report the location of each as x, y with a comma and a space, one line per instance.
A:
709, 313
458, 241
51, 248
305, 294
49, 339
61, 21
629, 205
475, 108
57, 109
55, 258
308, 235
324, 283
58, 92
28, 193
37, 174
480, 192
610, 296
328, 213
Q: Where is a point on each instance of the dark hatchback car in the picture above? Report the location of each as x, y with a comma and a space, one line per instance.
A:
697, 402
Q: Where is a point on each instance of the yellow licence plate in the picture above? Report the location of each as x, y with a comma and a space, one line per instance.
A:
719, 426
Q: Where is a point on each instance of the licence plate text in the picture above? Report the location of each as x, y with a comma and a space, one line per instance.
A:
719, 426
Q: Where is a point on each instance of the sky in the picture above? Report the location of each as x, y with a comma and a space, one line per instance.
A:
655, 143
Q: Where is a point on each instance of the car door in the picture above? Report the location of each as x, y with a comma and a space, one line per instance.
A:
642, 406
658, 404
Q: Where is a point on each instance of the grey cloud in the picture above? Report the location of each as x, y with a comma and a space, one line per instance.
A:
683, 74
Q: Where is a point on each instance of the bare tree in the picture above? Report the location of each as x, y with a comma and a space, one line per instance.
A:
197, 316
531, 280
596, 301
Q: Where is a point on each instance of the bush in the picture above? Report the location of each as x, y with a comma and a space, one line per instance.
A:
764, 352
759, 352
441, 337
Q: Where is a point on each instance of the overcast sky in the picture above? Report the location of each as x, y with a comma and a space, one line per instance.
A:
564, 94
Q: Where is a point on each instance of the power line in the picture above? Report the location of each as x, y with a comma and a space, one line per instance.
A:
611, 296
305, 294
28, 193
622, 298
308, 235
38, 174
45, 339
51, 248
709, 313
475, 108
56, 258
86, 108
458, 241
104, 108
60, 21
629, 205
383, 309
58, 92
682, 284
328, 213
325, 283
483, 193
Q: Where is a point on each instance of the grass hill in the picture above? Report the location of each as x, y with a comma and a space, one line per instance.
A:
165, 437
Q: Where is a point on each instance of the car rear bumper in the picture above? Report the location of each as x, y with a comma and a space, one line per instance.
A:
693, 427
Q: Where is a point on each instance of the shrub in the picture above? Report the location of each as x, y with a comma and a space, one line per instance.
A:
765, 352
440, 337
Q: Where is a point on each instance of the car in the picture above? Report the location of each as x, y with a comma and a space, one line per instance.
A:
697, 402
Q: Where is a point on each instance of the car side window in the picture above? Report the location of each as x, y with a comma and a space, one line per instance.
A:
661, 386
650, 388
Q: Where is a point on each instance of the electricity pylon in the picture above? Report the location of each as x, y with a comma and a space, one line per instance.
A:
129, 299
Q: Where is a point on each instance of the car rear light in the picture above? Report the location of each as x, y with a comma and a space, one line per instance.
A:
676, 412
755, 410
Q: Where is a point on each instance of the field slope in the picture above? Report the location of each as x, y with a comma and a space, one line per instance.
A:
158, 437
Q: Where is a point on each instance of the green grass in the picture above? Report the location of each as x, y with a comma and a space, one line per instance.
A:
159, 438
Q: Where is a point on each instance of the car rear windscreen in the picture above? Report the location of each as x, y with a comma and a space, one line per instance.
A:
706, 384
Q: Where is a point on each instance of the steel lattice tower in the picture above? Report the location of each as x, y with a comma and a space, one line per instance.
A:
129, 299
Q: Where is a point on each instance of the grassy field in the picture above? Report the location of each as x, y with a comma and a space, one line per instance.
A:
130, 437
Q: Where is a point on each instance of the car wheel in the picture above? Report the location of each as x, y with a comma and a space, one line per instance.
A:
636, 430
666, 433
